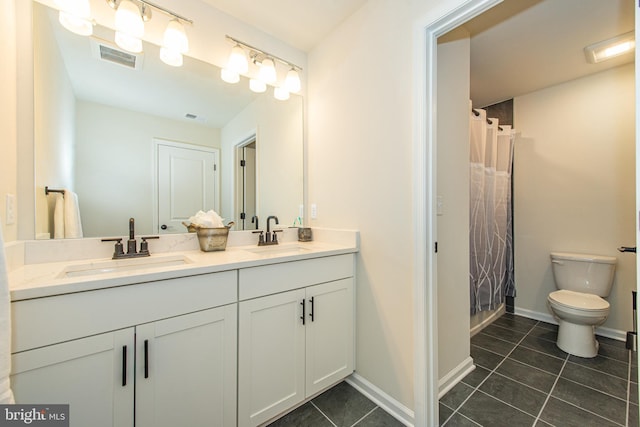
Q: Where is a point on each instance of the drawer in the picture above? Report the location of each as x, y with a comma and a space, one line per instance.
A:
270, 279
44, 321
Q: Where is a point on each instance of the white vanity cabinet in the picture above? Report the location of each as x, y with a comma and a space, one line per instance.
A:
296, 333
169, 346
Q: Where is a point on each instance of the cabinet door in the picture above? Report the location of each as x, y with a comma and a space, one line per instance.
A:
329, 334
186, 370
271, 356
93, 375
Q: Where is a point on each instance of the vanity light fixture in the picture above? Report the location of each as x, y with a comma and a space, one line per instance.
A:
129, 18
267, 71
75, 16
229, 76
238, 60
610, 48
292, 81
257, 86
280, 93
129, 26
174, 44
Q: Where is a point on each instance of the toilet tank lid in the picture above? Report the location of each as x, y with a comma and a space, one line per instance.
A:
570, 256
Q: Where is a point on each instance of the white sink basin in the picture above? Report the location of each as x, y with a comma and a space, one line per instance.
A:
120, 265
280, 249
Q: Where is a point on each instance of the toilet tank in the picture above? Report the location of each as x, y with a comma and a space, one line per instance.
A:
592, 274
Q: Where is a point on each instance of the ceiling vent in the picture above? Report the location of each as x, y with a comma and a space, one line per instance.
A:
105, 51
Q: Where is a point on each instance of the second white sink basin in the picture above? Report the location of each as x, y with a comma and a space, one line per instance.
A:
119, 265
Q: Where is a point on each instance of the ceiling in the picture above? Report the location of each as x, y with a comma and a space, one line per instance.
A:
521, 46
300, 23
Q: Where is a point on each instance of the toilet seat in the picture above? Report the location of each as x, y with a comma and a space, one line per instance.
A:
578, 301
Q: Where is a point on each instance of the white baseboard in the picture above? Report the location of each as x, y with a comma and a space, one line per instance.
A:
546, 317
394, 408
489, 317
454, 376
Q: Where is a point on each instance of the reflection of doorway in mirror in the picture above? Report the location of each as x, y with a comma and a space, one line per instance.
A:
246, 184
186, 182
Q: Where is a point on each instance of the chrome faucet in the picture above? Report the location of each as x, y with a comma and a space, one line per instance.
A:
132, 244
270, 237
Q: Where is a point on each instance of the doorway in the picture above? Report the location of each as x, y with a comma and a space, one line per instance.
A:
428, 206
246, 196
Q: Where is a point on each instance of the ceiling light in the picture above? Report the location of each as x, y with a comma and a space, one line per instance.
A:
292, 81
267, 71
238, 60
257, 86
75, 16
281, 94
129, 27
229, 76
610, 48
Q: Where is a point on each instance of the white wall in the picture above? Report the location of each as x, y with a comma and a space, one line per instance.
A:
54, 120
278, 126
574, 180
114, 164
360, 137
8, 113
453, 188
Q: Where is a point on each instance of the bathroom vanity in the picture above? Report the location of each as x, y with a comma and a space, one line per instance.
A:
199, 339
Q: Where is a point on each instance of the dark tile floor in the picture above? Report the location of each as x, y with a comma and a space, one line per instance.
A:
523, 379
340, 406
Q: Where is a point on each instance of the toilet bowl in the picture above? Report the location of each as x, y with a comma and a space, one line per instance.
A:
578, 305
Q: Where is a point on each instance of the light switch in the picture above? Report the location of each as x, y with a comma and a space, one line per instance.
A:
439, 206
314, 211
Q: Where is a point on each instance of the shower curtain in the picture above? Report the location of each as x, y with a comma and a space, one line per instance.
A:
490, 228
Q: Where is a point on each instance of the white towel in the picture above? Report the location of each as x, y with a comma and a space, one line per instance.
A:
58, 216
6, 395
72, 223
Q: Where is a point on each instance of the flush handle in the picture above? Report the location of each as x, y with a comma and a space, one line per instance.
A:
627, 249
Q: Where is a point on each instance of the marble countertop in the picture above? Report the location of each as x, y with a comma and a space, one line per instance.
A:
44, 279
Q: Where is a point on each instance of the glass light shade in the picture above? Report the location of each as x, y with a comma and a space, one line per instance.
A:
292, 81
128, 43
257, 86
171, 57
75, 16
280, 93
229, 76
175, 38
267, 71
238, 60
129, 20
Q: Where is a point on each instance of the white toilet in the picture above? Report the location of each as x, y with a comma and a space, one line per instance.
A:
578, 305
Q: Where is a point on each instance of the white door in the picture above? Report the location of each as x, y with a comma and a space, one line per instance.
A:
270, 356
93, 375
187, 181
329, 334
186, 370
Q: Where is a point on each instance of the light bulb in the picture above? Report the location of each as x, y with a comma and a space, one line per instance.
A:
292, 81
238, 60
128, 19
257, 86
75, 16
175, 38
128, 43
229, 76
281, 93
171, 57
267, 71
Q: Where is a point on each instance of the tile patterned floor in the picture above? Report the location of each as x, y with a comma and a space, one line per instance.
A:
340, 406
523, 379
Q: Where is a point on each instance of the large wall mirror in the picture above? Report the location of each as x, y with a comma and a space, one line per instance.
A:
99, 127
